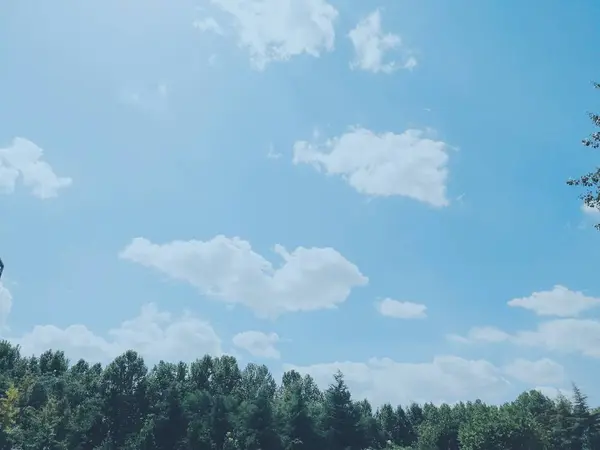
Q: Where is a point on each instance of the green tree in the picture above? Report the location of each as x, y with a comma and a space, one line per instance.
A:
341, 417
123, 390
9, 410
591, 180
298, 426
165, 392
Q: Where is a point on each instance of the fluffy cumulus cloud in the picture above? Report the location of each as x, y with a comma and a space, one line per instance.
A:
23, 159
542, 371
257, 343
444, 379
401, 310
153, 333
560, 302
409, 164
228, 269
277, 30
371, 45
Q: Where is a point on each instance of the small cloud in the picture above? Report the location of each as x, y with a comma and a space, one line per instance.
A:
481, 334
258, 344
560, 302
278, 30
410, 164
457, 338
371, 46
23, 159
553, 392
272, 154
410, 63
208, 24
542, 371
401, 310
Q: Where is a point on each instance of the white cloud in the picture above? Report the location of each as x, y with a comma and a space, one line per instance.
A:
445, 379
542, 371
561, 335
560, 301
24, 159
154, 334
453, 337
481, 334
229, 270
554, 392
258, 344
401, 310
208, 24
272, 154
408, 164
564, 335
590, 211
6, 301
487, 334
371, 45
277, 30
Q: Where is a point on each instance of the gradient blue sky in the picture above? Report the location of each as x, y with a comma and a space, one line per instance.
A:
168, 132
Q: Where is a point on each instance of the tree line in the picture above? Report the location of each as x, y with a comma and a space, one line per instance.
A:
48, 403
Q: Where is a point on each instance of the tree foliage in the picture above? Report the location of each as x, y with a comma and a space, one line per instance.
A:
210, 404
591, 180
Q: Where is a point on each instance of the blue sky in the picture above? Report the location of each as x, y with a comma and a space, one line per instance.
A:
419, 158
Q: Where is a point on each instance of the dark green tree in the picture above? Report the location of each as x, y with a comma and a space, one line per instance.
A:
297, 424
341, 420
123, 389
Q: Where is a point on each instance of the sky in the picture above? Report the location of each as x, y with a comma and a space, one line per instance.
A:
375, 186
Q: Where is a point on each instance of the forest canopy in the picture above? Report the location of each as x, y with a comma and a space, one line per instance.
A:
212, 403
